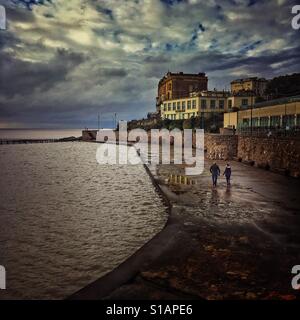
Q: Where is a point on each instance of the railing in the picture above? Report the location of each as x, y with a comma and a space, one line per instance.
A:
270, 131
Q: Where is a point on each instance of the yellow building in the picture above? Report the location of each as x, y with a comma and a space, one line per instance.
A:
256, 85
195, 105
241, 100
281, 113
205, 102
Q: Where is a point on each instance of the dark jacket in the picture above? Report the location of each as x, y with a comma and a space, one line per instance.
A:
227, 172
215, 170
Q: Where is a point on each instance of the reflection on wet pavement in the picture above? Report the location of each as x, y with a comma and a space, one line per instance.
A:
266, 201
178, 179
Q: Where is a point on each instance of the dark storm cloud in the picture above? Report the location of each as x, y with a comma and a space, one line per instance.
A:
19, 15
30, 3
64, 61
263, 62
20, 77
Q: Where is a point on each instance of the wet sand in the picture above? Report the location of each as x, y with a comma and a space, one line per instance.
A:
219, 243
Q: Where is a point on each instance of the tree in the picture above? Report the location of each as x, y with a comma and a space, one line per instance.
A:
283, 86
187, 124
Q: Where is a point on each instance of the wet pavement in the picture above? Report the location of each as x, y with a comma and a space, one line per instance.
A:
268, 201
237, 242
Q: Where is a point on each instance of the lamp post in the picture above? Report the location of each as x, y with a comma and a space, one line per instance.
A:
115, 121
251, 119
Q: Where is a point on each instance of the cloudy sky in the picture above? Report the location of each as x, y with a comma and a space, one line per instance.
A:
63, 61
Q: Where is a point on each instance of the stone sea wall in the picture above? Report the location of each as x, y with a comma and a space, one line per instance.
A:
220, 147
280, 155
277, 154
89, 135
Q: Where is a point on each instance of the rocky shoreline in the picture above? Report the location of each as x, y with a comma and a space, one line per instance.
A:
225, 243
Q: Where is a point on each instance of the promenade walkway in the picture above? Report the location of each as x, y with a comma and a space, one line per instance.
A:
219, 243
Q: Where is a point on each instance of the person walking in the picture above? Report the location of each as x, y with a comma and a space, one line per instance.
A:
215, 172
227, 173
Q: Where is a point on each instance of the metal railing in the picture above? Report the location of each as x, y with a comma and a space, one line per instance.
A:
270, 131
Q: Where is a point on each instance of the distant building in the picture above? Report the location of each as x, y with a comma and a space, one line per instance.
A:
195, 105
280, 113
179, 85
255, 85
241, 100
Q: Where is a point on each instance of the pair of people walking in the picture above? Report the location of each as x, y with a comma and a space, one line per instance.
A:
216, 172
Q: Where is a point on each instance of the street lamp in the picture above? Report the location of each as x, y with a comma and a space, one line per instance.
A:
98, 121
285, 119
251, 120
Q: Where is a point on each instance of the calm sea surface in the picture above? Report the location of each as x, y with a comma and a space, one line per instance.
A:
39, 133
66, 220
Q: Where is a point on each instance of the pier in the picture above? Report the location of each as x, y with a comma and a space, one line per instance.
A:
29, 141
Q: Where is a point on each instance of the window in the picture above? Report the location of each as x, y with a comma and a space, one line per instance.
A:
264, 121
189, 104
212, 104
288, 121
203, 104
221, 104
275, 121
244, 102
178, 105
229, 104
169, 106
194, 104
183, 105
255, 122
165, 107
246, 122
174, 106
169, 86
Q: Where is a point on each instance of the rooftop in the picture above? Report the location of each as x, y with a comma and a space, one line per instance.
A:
277, 102
248, 79
182, 74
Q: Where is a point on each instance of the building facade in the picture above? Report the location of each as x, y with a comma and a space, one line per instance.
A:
255, 85
179, 85
281, 113
241, 100
195, 105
